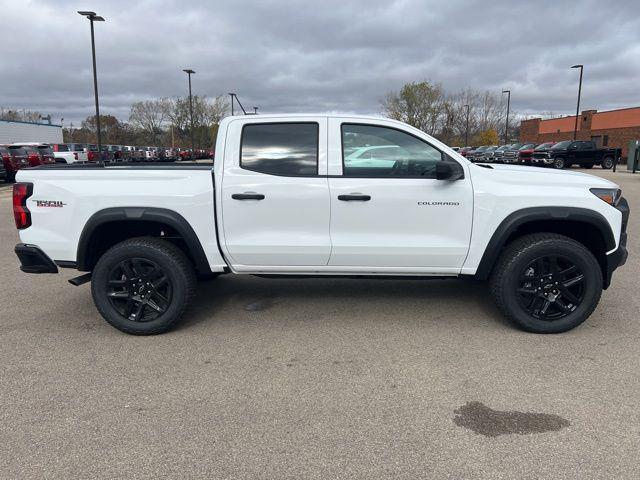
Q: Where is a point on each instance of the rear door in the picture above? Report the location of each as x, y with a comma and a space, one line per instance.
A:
389, 214
588, 152
275, 194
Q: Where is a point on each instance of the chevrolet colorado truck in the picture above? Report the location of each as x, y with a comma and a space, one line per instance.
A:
577, 152
323, 195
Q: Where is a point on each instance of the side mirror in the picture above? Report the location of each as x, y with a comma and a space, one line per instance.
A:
449, 170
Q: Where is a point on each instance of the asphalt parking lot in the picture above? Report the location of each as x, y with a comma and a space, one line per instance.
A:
318, 379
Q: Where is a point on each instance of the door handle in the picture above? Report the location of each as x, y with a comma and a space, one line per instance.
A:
353, 197
247, 196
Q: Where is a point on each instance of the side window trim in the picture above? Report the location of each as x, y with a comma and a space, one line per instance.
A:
282, 123
443, 155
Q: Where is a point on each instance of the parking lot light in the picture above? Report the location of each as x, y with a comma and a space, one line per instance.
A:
506, 123
94, 18
575, 127
188, 71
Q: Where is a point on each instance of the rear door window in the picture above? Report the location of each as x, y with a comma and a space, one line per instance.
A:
284, 149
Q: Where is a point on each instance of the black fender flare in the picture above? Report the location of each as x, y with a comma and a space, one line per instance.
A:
149, 214
521, 217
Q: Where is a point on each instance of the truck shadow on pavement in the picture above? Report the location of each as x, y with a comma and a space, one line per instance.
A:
454, 300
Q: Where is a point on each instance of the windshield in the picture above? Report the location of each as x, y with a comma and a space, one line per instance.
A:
543, 146
527, 146
17, 151
561, 145
45, 150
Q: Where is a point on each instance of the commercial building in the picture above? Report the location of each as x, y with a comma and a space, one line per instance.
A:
613, 128
12, 131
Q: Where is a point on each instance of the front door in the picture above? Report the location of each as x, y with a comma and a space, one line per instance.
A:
275, 194
389, 214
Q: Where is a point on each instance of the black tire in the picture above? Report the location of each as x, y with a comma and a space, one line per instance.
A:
559, 163
152, 261
586, 165
607, 163
509, 281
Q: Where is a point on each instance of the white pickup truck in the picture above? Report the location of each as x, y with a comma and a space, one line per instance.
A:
312, 195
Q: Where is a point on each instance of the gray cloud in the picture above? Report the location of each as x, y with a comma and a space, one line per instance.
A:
330, 55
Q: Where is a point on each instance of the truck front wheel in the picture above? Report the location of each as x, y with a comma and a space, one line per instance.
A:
143, 285
559, 163
547, 283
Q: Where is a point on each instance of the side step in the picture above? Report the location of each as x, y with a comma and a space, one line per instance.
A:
81, 280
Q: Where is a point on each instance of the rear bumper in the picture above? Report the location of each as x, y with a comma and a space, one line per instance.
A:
618, 257
34, 260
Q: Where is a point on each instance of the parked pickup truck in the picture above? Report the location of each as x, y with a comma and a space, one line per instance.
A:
288, 195
577, 152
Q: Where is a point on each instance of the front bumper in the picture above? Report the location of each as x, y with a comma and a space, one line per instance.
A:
618, 257
34, 260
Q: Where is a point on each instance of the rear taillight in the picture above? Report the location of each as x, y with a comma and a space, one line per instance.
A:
21, 214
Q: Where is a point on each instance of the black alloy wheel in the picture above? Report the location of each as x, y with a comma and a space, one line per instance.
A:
551, 287
559, 163
139, 289
143, 285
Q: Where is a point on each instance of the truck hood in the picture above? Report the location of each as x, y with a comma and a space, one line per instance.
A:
545, 176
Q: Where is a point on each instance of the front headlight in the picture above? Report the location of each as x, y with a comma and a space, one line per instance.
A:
610, 195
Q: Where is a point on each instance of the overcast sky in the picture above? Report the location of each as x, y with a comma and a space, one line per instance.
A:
317, 56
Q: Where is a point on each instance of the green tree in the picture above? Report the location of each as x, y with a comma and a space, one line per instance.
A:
420, 104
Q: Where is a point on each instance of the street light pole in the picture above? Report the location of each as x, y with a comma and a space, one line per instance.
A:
95, 18
575, 127
466, 131
231, 94
188, 71
506, 124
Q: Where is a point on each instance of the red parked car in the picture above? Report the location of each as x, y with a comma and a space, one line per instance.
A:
185, 154
38, 153
464, 150
525, 153
14, 158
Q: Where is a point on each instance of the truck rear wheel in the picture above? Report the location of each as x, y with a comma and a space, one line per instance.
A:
607, 163
142, 286
547, 283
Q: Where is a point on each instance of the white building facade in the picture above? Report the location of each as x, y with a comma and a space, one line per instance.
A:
14, 131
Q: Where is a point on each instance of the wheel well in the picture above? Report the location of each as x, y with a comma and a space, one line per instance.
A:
586, 233
108, 234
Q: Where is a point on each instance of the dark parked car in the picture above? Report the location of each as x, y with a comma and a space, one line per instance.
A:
579, 152
487, 155
499, 152
14, 158
475, 155
510, 154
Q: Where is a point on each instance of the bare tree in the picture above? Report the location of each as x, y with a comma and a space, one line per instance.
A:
149, 116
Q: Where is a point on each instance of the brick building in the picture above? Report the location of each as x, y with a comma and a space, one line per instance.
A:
613, 129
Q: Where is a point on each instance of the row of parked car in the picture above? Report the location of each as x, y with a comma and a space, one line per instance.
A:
562, 154
31, 154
